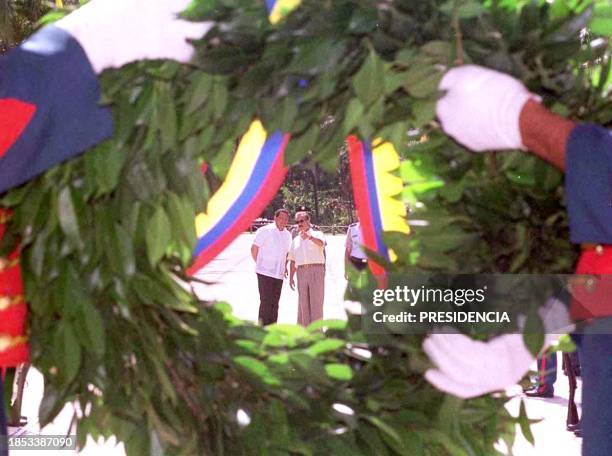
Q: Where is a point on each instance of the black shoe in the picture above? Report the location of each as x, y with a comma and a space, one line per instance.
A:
577, 372
542, 391
530, 388
23, 420
573, 427
578, 431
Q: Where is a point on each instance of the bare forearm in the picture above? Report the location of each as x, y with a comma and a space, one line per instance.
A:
545, 133
254, 252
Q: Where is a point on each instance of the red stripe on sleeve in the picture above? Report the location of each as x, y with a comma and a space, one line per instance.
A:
14, 117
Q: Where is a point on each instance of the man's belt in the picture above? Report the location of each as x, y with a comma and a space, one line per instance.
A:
310, 265
360, 260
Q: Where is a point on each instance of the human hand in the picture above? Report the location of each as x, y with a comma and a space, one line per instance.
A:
481, 108
292, 283
116, 32
468, 368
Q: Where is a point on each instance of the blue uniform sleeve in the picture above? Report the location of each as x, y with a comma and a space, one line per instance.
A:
49, 106
588, 184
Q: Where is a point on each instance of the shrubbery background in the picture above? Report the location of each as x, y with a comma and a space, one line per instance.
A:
106, 236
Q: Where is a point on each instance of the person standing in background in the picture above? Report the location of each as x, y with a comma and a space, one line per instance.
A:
353, 251
269, 251
547, 376
307, 257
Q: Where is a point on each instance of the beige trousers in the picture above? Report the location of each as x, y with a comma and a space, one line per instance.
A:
311, 291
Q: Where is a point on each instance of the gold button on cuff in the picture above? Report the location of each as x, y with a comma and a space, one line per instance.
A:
8, 301
4, 217
7, 342
599, 249
5, 263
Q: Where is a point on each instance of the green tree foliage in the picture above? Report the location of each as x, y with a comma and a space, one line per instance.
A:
374, 70
328, 196
105, 237
18, 19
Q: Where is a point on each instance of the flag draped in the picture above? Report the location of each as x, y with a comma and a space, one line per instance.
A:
375, 190
255, 176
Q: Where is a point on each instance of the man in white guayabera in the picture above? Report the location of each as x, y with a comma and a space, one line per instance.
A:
269, 250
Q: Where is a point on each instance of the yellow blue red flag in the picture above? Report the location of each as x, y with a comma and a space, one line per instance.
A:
375, 190
255, 176
278, 9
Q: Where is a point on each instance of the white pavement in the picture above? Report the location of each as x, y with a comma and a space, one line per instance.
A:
233, 279
235, 282
550, 435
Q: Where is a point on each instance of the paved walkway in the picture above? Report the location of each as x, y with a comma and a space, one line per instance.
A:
59, 427
239, 288
550, 435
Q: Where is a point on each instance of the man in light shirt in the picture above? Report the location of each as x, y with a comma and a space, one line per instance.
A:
307, 257
269, 250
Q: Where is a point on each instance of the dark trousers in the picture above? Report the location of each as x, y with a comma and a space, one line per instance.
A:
3, 429
547, 370
269, 295
595, 351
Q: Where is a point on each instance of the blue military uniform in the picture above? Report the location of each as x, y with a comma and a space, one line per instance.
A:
589, 202
49, 113
49, 106
547, 376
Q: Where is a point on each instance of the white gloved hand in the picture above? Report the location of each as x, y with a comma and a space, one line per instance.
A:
116, 32
468, 368
481, 108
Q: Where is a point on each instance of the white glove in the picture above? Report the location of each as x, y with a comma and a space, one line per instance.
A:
116, 32
481, 108
468, 368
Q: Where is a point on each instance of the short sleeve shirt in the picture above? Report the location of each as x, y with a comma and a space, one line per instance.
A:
304, 251
588, 184
354, 239
273, 248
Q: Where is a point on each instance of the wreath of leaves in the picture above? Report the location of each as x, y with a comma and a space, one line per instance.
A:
105, 237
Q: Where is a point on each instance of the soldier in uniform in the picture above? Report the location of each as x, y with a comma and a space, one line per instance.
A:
353, 251
547, 376
487, 110
50, 111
